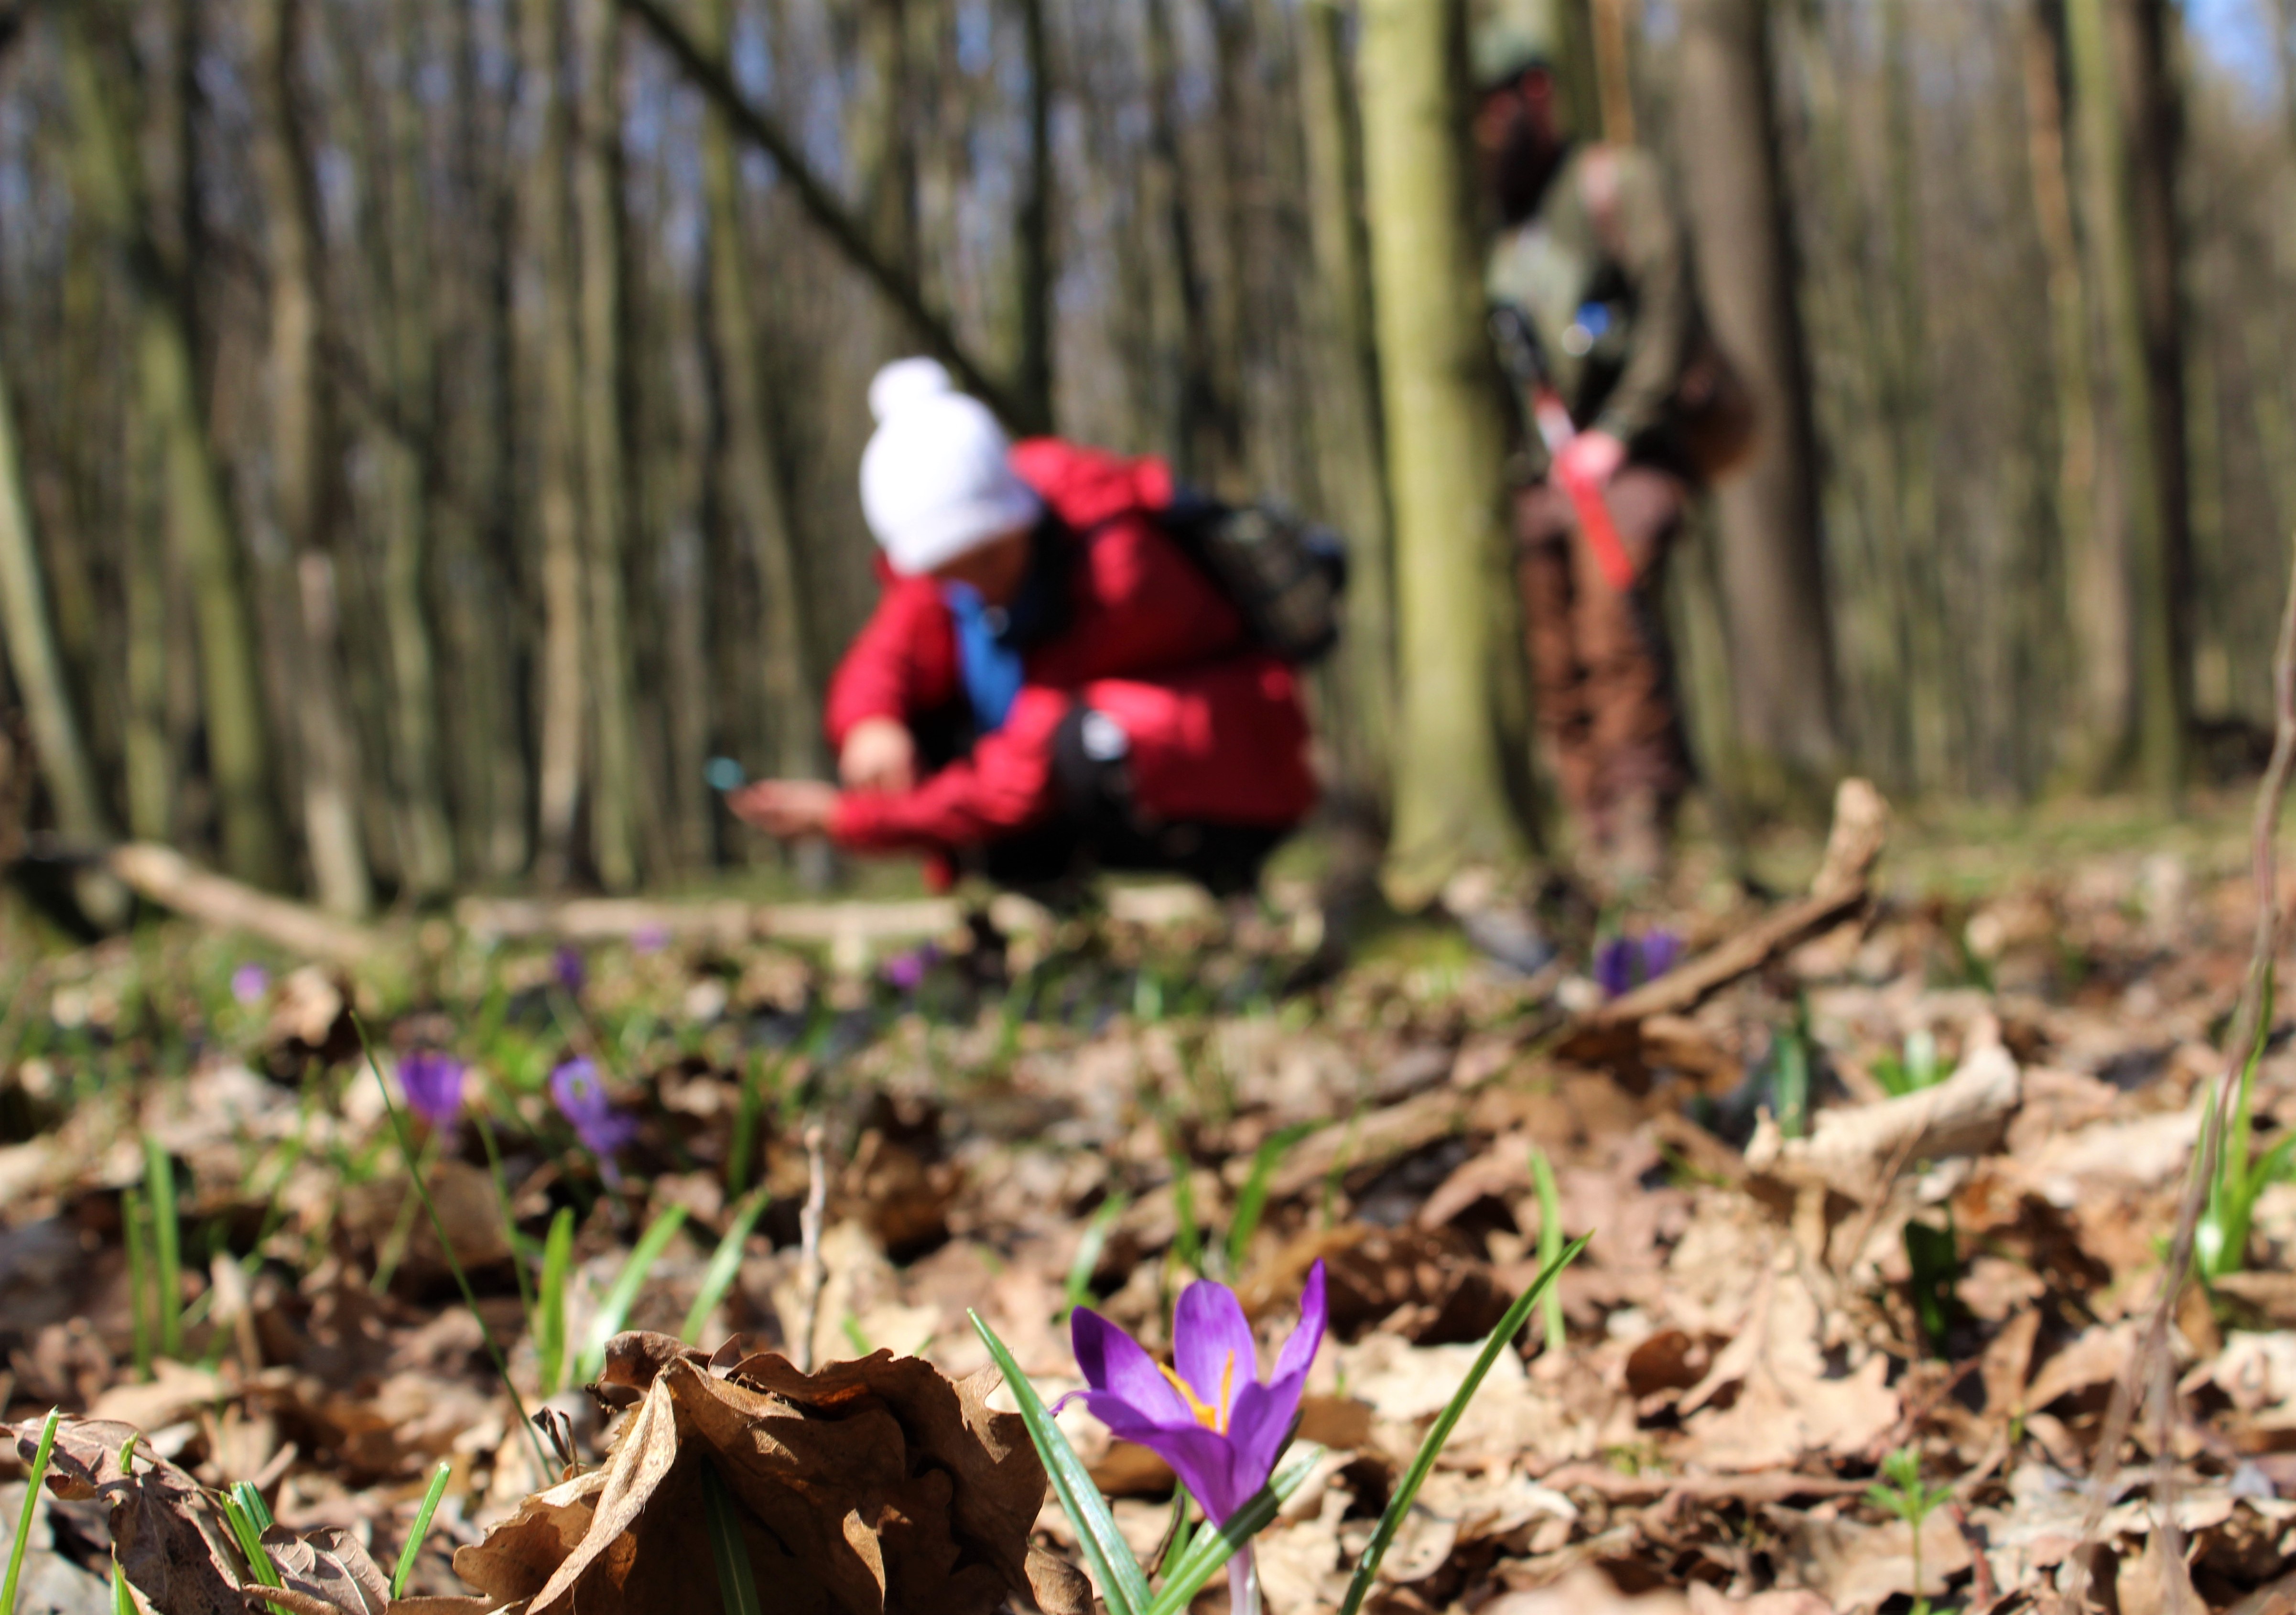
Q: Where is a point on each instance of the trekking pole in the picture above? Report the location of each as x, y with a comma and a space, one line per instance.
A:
1520, 352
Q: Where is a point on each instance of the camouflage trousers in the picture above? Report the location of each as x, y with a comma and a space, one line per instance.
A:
1602, 671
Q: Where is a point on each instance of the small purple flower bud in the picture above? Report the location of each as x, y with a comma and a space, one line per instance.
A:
249, 984
568, 970
907, 972
581, 1099
433, 1082
1661, 952
1614, 966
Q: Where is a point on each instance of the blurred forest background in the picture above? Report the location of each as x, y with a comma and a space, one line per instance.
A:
430, 425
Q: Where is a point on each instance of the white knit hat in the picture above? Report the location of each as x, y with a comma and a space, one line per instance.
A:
937, 479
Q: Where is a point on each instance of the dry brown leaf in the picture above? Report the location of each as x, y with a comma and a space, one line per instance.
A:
1856, 1566
169, 1541
1788, 1401
872, 1486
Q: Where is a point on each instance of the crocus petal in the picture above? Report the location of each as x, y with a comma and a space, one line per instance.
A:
1257, 1427
1113, 1362
1205, 1462
1307, 1336
1211, 1343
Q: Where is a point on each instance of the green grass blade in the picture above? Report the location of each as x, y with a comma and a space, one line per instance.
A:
1089, 1246
135, 1217
1252, 1201
550, 1304
1550, 1243
1122, 1582
614, 1311
1790, 1083
1440, 1432
123, 1601
725, 1266
1212, 1546
250, 1536
737, 1574
23, 1543
251, 1502
159, 1186
413, 1549
741, 1150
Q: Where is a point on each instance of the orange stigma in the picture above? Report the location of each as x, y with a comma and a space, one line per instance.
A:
1213, 1419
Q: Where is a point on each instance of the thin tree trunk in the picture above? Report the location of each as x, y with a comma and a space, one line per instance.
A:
32, 657
1346, 407
302, 447
549, 335
605, 459
199, 515
750, 490
1443, 450
2161, 688
1032, 383
2095, 570
1773, 581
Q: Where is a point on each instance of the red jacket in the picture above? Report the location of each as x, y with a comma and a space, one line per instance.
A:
1215, 725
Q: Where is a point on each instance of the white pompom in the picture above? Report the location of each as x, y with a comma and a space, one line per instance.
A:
903, 383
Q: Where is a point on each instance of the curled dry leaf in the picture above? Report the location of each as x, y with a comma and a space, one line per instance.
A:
171, 1543
873, 1486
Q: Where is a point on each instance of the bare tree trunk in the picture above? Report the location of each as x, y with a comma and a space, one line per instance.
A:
302, 447
549, 336
1773, 581
598, 210
1444, 450
2144, 416
199, 515
751, 491
1032, 382
1346, 405
32, 657
2097, 571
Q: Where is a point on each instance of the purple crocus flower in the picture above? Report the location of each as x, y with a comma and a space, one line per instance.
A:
650, 939
1614, 966
1661, 952
566, 969
907, 972
249, 984
433, 1082
1215, 1421
581, 1099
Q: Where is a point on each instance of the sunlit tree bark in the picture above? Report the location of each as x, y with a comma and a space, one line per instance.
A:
1443, 451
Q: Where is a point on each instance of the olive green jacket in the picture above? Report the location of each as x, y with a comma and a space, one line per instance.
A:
1602, 271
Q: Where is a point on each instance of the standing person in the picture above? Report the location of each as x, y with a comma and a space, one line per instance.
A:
1049, 682
1590, 284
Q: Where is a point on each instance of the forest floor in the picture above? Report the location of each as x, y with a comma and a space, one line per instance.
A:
1904, 1185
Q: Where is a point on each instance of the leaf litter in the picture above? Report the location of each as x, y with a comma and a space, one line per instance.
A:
1957, 1267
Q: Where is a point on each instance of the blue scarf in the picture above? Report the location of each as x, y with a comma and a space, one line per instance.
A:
989, 663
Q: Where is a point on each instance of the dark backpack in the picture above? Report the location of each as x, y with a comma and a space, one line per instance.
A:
1285, 575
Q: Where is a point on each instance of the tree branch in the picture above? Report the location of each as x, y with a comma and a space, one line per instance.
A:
827, 210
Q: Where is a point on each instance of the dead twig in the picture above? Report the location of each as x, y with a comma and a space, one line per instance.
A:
809, 1224
2151, 1365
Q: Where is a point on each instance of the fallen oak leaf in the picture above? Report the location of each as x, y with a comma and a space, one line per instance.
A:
167, 1535
876, 1484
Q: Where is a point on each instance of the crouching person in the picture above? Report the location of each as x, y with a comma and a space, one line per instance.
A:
1050, 683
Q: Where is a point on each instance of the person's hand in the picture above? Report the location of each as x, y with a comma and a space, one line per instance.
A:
878, 755
786, 808
1591, 458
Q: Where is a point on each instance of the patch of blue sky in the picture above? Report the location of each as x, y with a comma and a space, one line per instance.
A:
2239, 38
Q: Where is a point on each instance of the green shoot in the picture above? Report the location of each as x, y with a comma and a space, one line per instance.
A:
518, 1243
614, 1311
1398, 1505
550, 1307
446, 1246
244, 1510
1933, 1255
1122, 1582
159, 1186
135, 1218
2220, 1238
1550, 1245
1916, 1068
1905, 1496
1089, 1246
23, 1543
1790, 1081
741, 1150
855, 1336
123, 1601
737, 1574
725, 1266
413, 1549
1252, 1202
